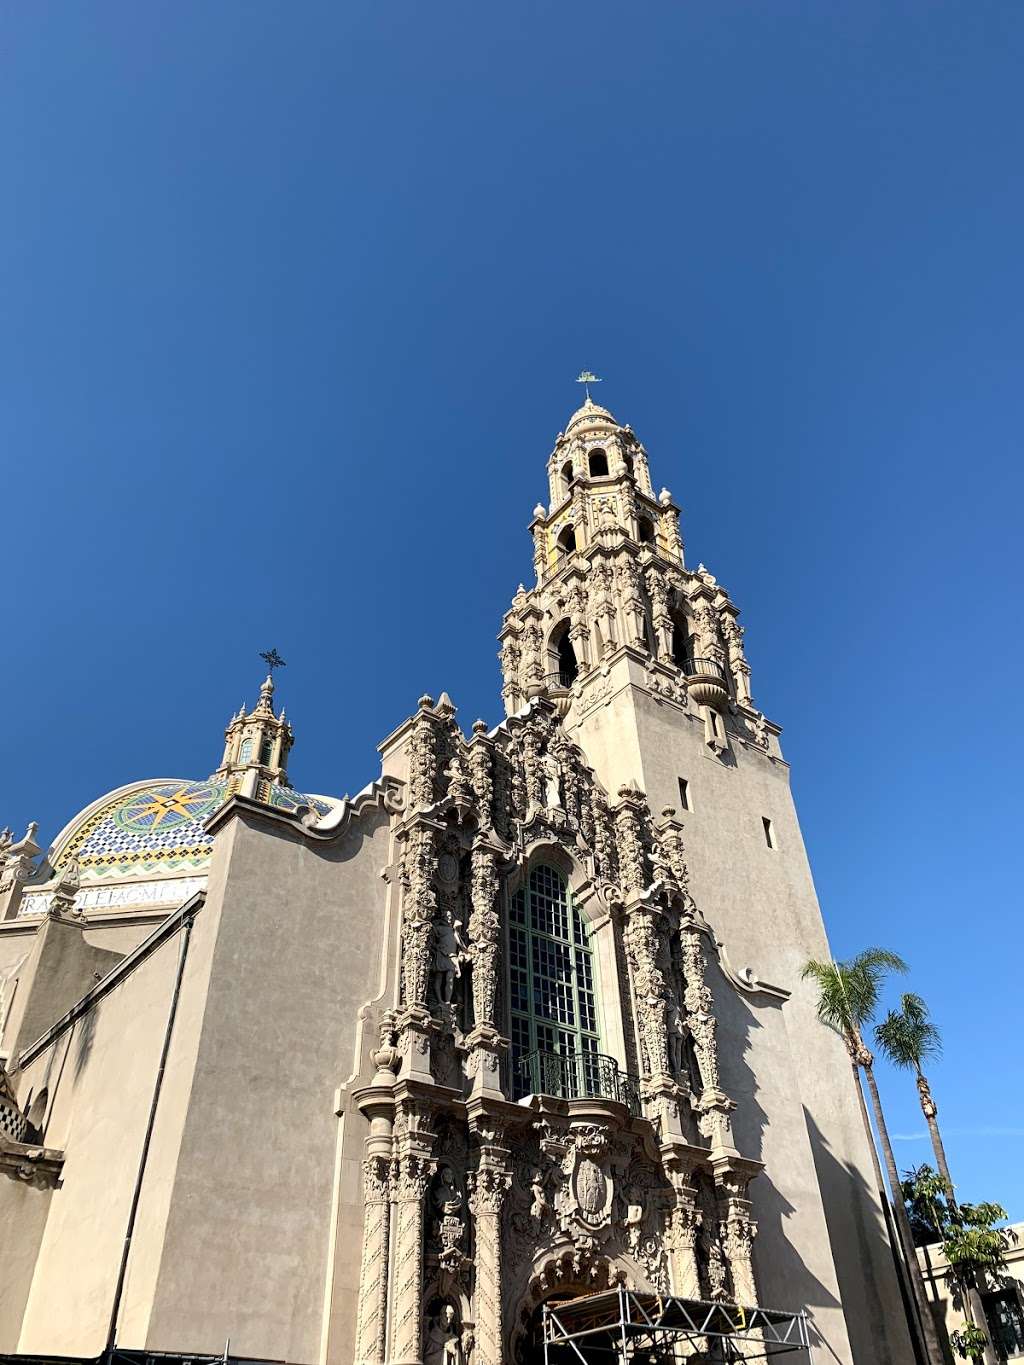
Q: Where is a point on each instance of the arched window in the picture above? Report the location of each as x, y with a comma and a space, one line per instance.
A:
567, 540
562, 656
245, 752
551, 985
682, 649
568, 668
567, 475
598, 464
645, 531
627, 460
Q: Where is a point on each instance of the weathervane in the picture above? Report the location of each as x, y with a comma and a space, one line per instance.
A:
586, 378
272, 659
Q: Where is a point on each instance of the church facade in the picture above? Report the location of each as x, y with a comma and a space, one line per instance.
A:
372, 1079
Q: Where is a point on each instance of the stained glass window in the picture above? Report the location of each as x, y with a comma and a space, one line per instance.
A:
551, 971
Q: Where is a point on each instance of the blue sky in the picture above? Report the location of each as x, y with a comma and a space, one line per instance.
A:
293, 298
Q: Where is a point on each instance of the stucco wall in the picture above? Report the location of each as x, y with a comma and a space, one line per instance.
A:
99, 1077
298, 942
761, 903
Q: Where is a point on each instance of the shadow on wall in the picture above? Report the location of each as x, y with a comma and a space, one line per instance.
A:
849, 1195
85, 1032
787, 1281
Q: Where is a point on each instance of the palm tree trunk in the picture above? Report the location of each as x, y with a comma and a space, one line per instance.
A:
910, 1304
879, 1182
974, 1307
930, 1111
931, 1338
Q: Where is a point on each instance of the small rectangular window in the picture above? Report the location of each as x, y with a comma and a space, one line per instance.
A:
769, 833
684, 794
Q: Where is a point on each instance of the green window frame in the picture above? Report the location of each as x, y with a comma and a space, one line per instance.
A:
553, 1002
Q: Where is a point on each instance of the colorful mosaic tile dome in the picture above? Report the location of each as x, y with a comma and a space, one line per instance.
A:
157, 827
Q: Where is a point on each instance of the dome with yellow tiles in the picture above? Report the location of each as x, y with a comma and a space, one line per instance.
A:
156, 827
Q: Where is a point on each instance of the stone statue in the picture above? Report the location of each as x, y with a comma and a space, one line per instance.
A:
444, 1340
540, 1204
552, 783
450, 951
676, 1036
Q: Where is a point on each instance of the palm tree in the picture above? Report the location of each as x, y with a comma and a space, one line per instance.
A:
847, 1001
908, 1038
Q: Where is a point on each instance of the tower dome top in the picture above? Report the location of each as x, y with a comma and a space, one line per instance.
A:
590, 415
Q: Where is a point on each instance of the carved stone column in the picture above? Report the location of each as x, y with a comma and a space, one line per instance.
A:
485, 1043
732, 633
490, 1187
371, 1323
738, 1233
715, 1105
628, 834
412, 1173
684, 1220
418, 863
661, 617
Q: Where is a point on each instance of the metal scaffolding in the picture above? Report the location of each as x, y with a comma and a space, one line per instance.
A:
631, 1328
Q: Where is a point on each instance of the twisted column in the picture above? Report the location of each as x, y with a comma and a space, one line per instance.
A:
684, 1222
490, 1188
412, 1177
371, 1322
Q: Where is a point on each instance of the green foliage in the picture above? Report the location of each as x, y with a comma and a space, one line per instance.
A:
927, 1197
969, 1341
848, 991
976, 1244
971, 1242
907, 1036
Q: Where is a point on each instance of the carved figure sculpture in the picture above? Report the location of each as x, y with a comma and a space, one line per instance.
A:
677, 1032
450, 951
552, 783
444, 1340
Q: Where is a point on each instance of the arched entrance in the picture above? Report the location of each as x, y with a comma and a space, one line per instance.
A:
565, 1273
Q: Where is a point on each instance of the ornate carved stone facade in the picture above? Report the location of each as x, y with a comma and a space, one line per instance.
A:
597, 1182
477, 1024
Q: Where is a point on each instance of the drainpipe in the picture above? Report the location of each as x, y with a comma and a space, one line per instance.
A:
150, 1123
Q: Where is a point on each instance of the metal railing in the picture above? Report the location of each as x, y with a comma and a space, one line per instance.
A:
562, 680
580, 1075
704, 668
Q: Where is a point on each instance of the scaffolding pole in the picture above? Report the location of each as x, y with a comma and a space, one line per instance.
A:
622, 1325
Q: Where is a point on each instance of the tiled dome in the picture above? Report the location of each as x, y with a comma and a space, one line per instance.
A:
156, 827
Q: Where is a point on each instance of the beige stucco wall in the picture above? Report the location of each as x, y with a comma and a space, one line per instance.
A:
299, 931
801, 1110
99, 1075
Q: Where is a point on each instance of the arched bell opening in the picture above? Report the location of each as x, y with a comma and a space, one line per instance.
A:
645, 531
567, 542
562, 661
597, 462
682, 644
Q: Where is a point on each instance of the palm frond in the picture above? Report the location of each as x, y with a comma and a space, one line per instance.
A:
848, 991
907, 1037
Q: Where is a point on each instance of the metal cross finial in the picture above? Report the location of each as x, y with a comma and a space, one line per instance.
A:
586, 378
272, 659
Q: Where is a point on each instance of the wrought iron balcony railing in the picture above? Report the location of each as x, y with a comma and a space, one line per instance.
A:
581, 1075
704, 668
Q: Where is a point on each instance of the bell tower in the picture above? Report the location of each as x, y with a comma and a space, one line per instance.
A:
644, 660
614, 601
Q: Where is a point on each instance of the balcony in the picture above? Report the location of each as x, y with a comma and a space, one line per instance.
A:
707, 682
580, 1076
